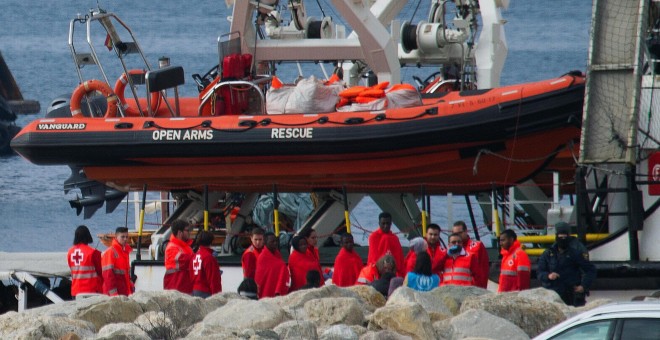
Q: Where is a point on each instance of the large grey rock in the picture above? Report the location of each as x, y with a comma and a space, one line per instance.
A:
339, 332
532, 316
295, 329
299, 297
478, 324
28, 326
67, 308
453, 296
384, 335
20, 326
216, 301
331, 311
184, 310
293, 303
57, 326
547, 295
122, 331
369, 295
434, 305
240, 314
236, 334
407, 319
114, 310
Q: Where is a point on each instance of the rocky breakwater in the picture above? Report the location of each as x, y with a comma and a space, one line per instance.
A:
359, 312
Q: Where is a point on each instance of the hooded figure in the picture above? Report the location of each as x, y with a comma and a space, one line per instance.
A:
565, 270
418, 244
571, 242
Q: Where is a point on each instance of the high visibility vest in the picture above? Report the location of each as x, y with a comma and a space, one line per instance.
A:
85, 264
458, 271
116, 270
368, 274
178, 266
515, 269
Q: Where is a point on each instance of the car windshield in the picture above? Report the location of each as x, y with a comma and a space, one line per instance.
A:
597, 330
641, 329
626, 329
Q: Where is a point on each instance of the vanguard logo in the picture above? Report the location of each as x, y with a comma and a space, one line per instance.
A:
61, 126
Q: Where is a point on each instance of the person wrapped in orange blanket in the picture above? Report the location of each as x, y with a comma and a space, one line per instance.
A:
272, 275
348, 263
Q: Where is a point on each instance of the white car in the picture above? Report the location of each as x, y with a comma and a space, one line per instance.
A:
618, 321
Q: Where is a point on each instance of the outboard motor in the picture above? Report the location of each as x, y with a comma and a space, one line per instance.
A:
60, 107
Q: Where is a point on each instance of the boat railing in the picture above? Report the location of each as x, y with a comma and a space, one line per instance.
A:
244, 84
121, 47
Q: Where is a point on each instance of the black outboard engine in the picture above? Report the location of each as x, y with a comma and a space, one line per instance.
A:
60, 107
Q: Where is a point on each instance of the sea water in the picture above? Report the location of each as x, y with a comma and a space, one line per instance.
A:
545, 39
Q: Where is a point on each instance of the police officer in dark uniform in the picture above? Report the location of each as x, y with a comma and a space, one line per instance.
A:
566, 270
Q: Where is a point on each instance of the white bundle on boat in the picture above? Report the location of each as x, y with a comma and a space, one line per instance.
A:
308, 96
402, 97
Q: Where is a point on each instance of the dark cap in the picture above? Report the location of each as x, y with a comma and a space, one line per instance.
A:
562, 228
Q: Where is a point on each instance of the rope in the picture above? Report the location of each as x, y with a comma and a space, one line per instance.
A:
515, 135
321, 8
518, 160
419, 2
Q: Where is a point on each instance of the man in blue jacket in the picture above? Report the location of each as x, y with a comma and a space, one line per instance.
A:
566, 270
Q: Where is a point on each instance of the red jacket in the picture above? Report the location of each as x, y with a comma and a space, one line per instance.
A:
206, 272
459, 271
478, 250
299, 265
437, 253
249, 261
86, 270
178, 266
116, 270
411, 258
515, 269
381, 243
272, 274
347, 268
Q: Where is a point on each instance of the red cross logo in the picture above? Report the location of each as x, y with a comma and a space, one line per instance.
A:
77, 257
197, 264
656, 172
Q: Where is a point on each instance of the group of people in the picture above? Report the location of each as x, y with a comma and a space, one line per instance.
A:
265, 268
427, 265
564, 267
95, 273
92, 272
